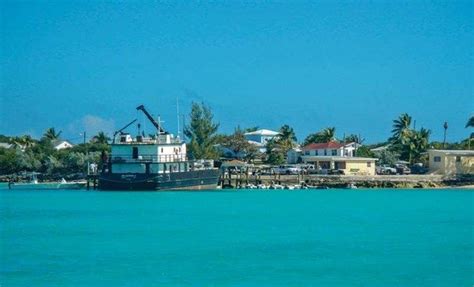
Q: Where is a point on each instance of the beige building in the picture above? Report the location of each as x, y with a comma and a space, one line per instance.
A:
451, 162
338, 156
350, 165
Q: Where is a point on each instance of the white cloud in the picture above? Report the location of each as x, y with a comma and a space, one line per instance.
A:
92, 125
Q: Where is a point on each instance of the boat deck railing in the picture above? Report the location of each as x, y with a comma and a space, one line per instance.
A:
148, 158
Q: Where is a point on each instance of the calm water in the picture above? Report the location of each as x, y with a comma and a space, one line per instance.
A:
237, 238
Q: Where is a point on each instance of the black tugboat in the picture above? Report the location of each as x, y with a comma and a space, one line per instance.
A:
154, 163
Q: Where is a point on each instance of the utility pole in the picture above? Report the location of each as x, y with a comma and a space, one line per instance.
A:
445, 126
87, 151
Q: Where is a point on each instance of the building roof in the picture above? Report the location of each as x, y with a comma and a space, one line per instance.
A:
262, 132
453, 152
380, 148
5, 145
58, 143
328, 145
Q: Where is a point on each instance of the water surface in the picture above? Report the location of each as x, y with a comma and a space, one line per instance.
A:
237, 238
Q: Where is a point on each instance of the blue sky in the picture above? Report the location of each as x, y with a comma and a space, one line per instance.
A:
353, 65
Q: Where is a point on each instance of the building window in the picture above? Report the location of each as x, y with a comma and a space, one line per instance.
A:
161, 150
369, 164
325, 152
458, 159
437, 159
340, 165
334, 152
316, 152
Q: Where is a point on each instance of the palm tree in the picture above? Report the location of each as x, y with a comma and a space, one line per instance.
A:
23, 142
417, 144
286, 138
101, 138
401, 128
287, 133
470, 122
354, 138
51, 134
328, 134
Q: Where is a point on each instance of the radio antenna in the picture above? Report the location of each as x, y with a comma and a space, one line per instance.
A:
177, 114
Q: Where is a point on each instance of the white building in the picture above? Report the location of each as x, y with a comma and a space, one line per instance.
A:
293, 155
59, 145
260, 138
331, 149
5, 145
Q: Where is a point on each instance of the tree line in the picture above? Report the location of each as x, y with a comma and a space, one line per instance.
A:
405, 143
204, 140
39, 155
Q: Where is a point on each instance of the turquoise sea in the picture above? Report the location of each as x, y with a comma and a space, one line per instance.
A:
237, 238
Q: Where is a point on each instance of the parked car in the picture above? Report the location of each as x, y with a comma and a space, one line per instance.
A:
402, 169
418, 168
336, 171
385, 169
287, 169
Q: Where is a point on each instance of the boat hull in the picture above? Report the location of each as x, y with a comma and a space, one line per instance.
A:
47, 186
190, 180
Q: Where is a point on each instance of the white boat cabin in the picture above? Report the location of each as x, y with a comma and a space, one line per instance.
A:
161, 154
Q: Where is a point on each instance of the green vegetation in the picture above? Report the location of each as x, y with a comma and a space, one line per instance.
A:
28, 155
202, 133
326, 135
39, 155
238, 144
407, 142
278, 147
470, 122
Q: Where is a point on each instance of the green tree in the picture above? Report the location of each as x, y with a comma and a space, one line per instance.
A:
470, 122
364, 151
202, 133
23, 142
278, 147
354, 138
323, 136
286, 138
418, 144
387, 157
100, 138
409, 143
51, 134
274, 153
239, 145
401, 129
9, 161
